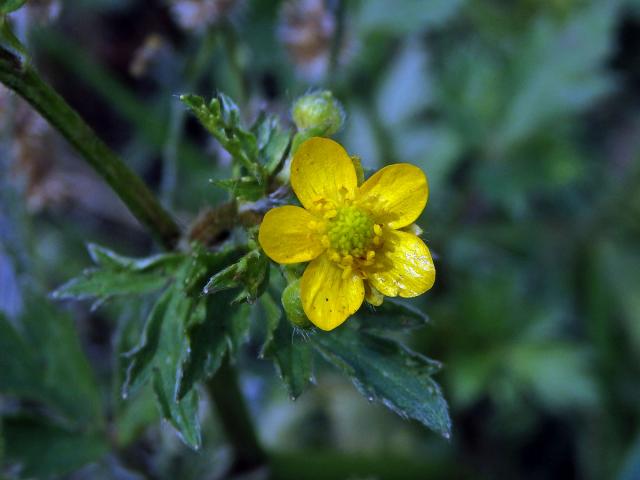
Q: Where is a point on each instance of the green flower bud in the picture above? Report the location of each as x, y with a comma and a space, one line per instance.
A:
293, 305
319, 111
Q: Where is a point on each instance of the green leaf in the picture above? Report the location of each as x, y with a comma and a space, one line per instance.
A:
273, 142
8, 6
119, 275
392, 315
103, 284
292, 356
108, 259
182, 414
251, 273
243, 188
144, 355
222, 328
273, 315
221, 118
134, 415
45, 363
43, 449
162, 350
389, 373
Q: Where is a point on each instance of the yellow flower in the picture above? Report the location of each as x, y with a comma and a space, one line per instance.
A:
352, 235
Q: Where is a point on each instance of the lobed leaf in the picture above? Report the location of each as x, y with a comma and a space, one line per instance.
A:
221, 329
160, 354
103, 284
221, 118
108, 259
250, 273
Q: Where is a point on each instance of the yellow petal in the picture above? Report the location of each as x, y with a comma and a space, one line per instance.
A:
285, 235
406, 267
396, 195
322, 170
328, 298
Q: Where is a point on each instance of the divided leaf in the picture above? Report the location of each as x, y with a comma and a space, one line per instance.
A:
119, 275
103, 284
387, 372
108, 259
221, 118
250, 273
161, 352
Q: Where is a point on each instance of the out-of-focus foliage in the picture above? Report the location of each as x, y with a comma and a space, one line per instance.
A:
524, 116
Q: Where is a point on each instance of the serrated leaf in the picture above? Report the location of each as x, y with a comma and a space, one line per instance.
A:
43, 449
391, 316
293, 358
8, 6
387, 372
103, 284
143, 356
225, 328
108, 259
221, 118
182, 414
251, 273
161, 353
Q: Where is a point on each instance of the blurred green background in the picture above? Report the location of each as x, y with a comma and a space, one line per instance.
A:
525, 116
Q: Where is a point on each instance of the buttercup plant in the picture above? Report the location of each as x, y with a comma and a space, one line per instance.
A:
221, 274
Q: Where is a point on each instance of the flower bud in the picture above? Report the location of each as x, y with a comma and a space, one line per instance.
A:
293, 305
318, 110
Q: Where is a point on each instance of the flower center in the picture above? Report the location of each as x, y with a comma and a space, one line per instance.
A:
350, 232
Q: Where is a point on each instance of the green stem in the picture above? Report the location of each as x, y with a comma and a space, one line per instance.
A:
235, 420
25, 81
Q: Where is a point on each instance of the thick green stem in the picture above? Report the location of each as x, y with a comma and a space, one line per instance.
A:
235, 419
25, 81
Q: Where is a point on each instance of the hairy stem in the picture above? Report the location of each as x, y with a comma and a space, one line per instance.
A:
25, 81
235, 419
